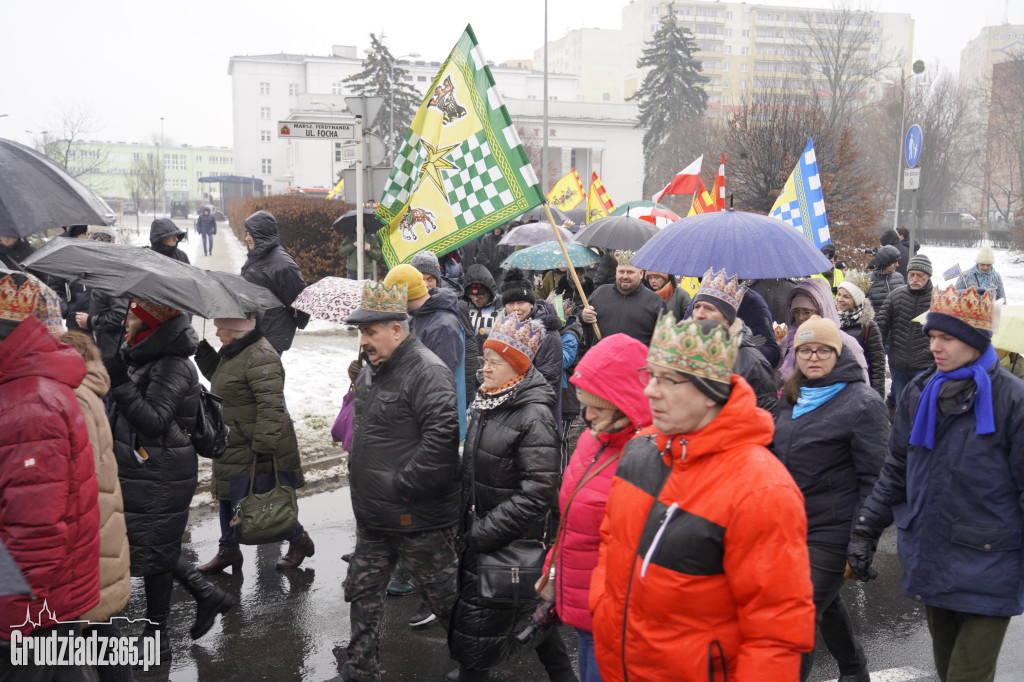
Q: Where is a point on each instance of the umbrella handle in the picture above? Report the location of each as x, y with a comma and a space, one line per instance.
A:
572, 270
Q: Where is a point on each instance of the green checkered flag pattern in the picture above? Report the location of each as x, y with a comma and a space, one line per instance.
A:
478, 188
404, 174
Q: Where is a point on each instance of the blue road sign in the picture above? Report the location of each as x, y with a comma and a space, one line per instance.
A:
912, 145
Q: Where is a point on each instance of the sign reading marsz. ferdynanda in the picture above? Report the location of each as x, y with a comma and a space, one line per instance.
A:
315, 130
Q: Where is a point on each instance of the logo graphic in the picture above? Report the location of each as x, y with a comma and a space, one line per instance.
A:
285, 130
413, 217
445, 102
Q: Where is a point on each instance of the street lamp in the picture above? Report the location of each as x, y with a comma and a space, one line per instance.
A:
918, 67
333, 143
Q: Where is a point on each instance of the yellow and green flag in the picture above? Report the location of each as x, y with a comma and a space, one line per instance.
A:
567, 192
462, 169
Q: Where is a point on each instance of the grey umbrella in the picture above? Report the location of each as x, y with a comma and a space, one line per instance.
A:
123, 270
36, 194
617, 232
533, 233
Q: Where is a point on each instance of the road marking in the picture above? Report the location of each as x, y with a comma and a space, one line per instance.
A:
906, 674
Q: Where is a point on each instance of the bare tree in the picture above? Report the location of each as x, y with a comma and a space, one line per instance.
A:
63, 141
840, 68
136, 188
1003, 129
149, 171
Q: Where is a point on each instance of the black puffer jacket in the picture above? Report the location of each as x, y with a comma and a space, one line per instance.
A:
548, 360
835, 451
882, 286
892, 237
405, 443
512, 460
865, 330
151, 412
106, 321
269, 265
11, 257
907, 342
164, 227
752, 366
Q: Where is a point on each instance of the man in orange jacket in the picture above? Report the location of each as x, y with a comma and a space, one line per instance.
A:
703, 566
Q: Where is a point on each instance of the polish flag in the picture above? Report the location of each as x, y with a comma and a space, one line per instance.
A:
685, 181
718, 190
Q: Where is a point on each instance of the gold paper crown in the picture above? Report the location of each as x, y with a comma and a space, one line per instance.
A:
18, 302
723, 287
685, 347
859, 279
969, 307
383, 299
524, 336
624, 257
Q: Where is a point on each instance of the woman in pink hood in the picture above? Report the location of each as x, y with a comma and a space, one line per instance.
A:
609, 388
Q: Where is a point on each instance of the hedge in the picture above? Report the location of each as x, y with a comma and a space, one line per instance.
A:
306, 229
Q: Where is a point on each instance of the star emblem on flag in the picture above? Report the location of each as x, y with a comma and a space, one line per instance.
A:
436, 161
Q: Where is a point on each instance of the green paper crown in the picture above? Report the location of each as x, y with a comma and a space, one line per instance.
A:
624, 257
685, 348
859, 279
382, 299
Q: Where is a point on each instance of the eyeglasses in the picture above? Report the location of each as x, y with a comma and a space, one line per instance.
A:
647, 378
823, 353
802, 312
494, 363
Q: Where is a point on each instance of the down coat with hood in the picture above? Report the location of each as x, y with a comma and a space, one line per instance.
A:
908, 344
752, 366
510, 483
548, 359
892, 238
49, 517
405, 443
608, 371
248, 376
269, 265
882, 286
835, 451
482, 319
867, 333
151, 412
754, 312
818, 291
165, 227
703, 561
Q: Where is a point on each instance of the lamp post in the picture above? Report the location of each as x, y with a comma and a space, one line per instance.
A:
334, 181
163, 194
918, 67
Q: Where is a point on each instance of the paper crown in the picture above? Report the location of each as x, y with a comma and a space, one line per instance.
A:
383, 299
19, 296
859, 279
685, 347
624, 257
524, 336
723, 287
969, 307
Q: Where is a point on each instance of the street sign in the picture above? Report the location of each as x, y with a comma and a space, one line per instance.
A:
315, 130
912, 145
374, 183
911, 178
374, 150
365, 106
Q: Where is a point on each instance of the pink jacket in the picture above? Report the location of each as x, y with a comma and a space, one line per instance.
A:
608, 370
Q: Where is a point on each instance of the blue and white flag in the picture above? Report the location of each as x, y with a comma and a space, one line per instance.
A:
802, 203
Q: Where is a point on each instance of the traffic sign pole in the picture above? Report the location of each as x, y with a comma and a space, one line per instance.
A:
912, 145
359, 199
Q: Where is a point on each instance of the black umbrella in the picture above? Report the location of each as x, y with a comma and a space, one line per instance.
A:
577, 215
617, 232
123, 270
539, 214
346, 224
11, 579
36, 194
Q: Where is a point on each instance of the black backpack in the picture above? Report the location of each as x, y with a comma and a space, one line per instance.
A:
209, 434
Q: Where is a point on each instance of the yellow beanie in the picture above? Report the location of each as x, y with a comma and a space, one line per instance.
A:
410, 277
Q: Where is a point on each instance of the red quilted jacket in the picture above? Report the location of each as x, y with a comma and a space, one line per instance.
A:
49, 514
608, 371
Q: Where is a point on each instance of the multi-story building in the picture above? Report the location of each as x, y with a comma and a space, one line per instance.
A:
740, 45
113, 163
993, 45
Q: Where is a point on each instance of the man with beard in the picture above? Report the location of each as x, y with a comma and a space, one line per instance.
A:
626, 306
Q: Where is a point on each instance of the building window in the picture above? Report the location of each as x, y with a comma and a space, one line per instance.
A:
337, 88
744, 50
728, 49
264, 136
743, 85
746, 33
264, 88
136, 156
725, 83
264, 113
265, 166
199, 159
606, 97
744, 67
337, 152
293, 89
726, 66
728, 15
728, 33
421, 79
725, 99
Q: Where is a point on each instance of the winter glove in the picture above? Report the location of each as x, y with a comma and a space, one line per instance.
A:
204, 349
353, 370
861, 551
116, 369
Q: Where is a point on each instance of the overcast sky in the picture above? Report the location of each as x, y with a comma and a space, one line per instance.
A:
131, 62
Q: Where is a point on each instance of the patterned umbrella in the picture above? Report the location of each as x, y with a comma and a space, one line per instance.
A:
331, 298
533, 233
548, 256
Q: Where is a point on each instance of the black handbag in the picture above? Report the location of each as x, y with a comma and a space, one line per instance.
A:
506, 576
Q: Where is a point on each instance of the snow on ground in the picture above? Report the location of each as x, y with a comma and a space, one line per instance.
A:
1009, 264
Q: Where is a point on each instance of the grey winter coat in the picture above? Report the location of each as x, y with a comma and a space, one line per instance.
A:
907, 342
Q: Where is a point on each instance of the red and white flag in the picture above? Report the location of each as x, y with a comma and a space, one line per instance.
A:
685, 181
718, 190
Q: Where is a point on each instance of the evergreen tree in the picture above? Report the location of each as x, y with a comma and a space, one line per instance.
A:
383, 77
671, 95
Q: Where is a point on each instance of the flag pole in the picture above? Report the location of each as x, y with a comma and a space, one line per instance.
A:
572, 270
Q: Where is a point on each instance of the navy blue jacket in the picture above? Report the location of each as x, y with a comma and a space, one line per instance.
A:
755, 313
834, 452
959, 509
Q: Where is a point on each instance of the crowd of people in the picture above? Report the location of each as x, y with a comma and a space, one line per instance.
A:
685, 480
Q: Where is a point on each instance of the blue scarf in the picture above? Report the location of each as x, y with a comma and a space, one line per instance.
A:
813, 398
923, 432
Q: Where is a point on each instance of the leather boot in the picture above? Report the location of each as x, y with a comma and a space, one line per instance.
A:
297, 551
226, 556
210, 599
158, 608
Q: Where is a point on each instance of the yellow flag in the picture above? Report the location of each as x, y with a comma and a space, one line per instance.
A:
599, 204
338, 191
567, 192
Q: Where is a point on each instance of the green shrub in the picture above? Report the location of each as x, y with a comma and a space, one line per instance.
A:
306, 229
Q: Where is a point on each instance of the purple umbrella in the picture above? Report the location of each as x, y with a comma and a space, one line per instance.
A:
750, 245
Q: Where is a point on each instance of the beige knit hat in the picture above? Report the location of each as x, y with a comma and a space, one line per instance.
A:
985, 256
819, 330
588, 398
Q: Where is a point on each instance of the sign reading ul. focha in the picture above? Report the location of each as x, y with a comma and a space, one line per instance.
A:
315, 130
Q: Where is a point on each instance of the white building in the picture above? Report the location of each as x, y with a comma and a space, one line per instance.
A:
278, 87
593, 54
994, 44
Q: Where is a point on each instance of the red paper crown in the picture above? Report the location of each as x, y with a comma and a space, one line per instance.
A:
969, 307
